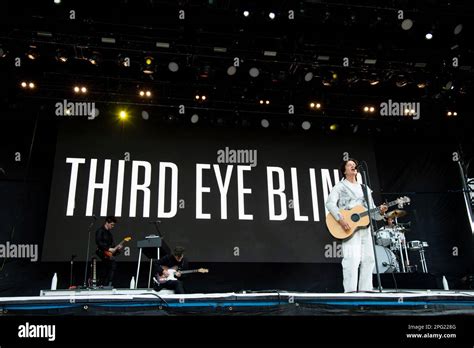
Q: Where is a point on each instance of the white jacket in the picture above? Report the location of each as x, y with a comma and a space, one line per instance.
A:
342, 197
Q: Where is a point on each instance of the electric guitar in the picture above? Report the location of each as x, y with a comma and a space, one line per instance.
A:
172, 273
106, 254
356, 218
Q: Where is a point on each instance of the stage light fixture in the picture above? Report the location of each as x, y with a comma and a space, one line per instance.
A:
271, 15
149, 66
254, 72
173, 66
407, 24
32, 54
246, 13
429, 36
334, 127
123, 114
265, 123
24, 84
231, 70
457, 29
194, 118
306, 125
308, 76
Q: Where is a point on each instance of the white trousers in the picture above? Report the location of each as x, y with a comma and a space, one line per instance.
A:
358, 251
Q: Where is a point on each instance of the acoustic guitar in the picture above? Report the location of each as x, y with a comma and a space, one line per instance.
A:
356, 218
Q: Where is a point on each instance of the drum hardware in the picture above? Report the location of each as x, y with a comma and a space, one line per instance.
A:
417, 245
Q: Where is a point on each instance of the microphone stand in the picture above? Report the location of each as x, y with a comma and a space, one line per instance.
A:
372, 234
88, 246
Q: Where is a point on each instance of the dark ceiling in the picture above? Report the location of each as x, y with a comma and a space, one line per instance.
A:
304, 60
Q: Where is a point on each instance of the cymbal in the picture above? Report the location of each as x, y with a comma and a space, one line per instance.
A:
396, 214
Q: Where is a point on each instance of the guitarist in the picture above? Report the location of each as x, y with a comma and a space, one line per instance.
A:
105, 242
357, 250
176, 260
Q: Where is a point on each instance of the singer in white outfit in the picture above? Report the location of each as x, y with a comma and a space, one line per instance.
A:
357, 251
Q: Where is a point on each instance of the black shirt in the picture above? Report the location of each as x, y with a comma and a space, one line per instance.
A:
104, 239
170, 261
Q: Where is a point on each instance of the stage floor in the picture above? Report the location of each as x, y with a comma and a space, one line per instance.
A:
150, 302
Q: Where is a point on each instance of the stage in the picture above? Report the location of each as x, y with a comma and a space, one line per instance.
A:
149, 302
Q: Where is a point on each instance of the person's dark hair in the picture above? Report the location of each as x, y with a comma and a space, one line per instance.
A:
342, 168
110, 219
178, 251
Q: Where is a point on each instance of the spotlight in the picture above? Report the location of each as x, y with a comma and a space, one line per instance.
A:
57, 2
200, 97
3, 53
407, 24
231, 70
254, 72
306, 125
123, 115
149, 66
25, 85
144, 93
313, 105
94, 59
145, 115
246, 13
265, 123
261, 102
32, 54
369, 108
173, 66
80, 89
334, 127
428, 36
451, 113
421, 85
271, 15
267, 102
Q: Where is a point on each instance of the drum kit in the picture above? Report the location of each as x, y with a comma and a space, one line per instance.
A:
392, 247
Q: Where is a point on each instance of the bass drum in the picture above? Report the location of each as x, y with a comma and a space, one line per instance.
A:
387, 260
